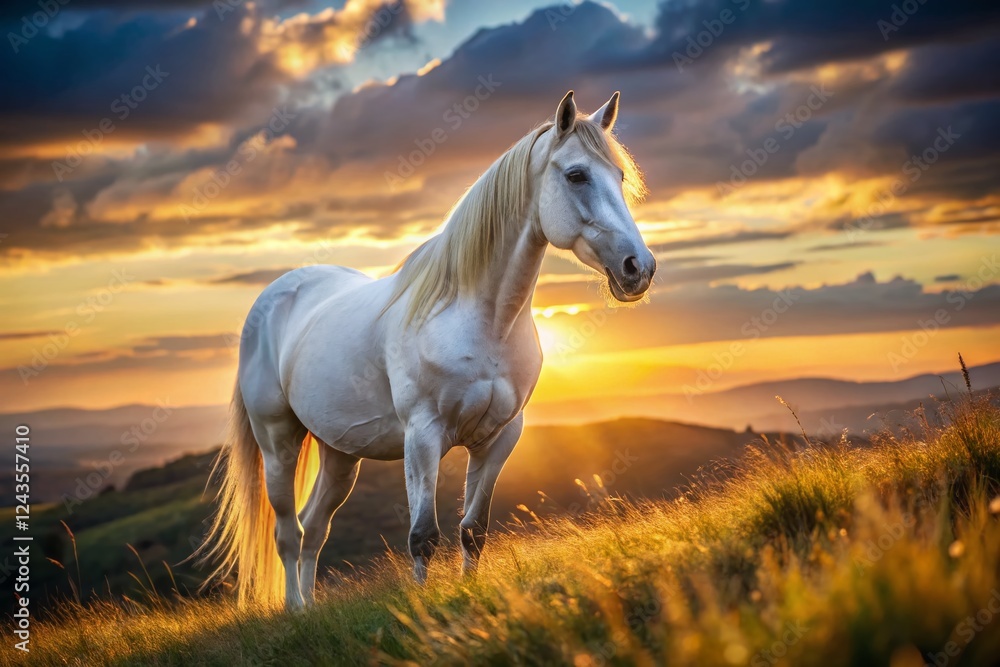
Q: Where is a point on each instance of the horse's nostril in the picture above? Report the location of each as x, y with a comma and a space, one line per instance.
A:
631, 266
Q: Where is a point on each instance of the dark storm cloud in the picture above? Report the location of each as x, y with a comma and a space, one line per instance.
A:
686, 131
20, 8
805, 34
514, 70
56, 88
947, 72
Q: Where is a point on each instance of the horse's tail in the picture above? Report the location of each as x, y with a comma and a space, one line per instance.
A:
244, 515
241, 536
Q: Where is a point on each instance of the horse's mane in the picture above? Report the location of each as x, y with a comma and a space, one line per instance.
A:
489, 211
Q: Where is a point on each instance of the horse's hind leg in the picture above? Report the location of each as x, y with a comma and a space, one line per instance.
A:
280, 442
334, 483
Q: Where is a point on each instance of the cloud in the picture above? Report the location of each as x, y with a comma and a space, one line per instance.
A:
948, 72
850, 245
699, 313
15, 10
162, 354
669, 275
185, 343
50, 103
23, 335
798, 35
304, 42
369, 164
227, 65
257, 277
743, 236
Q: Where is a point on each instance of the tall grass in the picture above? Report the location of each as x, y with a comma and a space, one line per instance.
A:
825, 554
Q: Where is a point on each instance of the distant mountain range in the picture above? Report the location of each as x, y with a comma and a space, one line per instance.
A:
822, 404
71, 443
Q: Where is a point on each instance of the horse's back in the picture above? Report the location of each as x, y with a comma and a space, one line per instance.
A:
277, 320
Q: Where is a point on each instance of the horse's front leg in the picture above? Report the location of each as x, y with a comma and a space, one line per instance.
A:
484, 469
422, 451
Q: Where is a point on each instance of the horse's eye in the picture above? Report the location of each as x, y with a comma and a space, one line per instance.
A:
576, 176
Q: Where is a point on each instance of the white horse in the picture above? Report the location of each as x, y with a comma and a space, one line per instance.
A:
442, 352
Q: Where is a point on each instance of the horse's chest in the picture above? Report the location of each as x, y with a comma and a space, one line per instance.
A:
488, 403
480, 393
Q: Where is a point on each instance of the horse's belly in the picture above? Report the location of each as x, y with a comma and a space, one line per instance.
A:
335, 380
376, 437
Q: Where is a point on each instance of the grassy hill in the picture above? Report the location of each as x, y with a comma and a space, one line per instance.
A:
825, 555
160, 512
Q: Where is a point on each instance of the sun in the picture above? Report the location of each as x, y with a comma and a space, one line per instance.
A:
557, 326
550, 335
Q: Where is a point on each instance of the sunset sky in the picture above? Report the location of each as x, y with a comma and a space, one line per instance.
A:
823, 180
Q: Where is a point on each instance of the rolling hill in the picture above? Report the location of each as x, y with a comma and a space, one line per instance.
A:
160, 511
827, 555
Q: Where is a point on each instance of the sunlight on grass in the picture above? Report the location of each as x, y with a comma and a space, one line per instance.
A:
827, 554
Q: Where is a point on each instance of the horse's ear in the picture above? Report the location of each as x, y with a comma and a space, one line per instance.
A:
608, 114
566, 115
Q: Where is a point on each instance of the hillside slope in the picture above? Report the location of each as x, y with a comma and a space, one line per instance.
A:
161, 511
828, 555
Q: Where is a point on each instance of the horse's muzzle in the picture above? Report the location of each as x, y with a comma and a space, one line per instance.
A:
631, 281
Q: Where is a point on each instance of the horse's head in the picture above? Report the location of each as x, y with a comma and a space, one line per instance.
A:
584, 181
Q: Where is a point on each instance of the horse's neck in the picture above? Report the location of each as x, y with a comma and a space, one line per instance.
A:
510, 281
